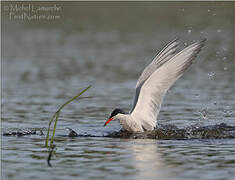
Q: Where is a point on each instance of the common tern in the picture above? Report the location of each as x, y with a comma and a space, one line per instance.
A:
152, 85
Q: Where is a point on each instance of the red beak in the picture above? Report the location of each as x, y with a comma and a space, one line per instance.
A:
108, 121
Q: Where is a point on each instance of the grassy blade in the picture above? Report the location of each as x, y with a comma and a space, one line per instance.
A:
56, 116
56, 119
48, 130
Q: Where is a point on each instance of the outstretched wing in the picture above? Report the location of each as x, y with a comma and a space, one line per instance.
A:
163, 56
154, 88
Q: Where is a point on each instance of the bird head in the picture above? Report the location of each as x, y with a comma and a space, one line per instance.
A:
113, 115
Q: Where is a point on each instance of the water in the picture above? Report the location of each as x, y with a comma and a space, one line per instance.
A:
44, 63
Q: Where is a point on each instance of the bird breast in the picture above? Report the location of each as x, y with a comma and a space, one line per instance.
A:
128, 123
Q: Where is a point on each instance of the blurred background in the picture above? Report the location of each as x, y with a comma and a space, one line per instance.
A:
51, 50
107, 45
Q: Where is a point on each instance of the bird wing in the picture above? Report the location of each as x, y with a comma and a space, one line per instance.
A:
163, 56
154, 88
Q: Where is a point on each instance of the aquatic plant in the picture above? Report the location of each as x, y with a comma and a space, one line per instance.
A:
56, 117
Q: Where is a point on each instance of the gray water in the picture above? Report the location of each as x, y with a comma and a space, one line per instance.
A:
107, 45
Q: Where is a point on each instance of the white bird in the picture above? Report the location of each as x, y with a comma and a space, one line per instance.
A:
152, 85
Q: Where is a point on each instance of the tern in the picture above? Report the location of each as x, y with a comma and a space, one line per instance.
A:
166, 67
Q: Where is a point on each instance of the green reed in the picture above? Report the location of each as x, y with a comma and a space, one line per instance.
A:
56, 117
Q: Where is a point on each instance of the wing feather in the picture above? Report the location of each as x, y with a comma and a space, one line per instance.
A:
154, 88
163, 56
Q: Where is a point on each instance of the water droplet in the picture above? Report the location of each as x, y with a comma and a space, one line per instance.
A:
219, 30
211, 75
189, 31
225, 68
214, 14
224, 58
227, 113
208, 10
203, 113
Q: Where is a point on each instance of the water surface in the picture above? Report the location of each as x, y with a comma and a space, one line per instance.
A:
107, 45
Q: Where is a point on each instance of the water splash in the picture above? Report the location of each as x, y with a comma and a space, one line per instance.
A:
218, 131
203, 114
211, 75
